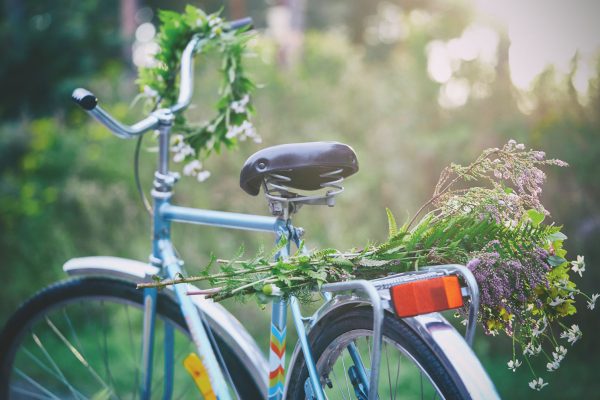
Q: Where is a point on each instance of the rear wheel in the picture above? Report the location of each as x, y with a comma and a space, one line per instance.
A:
81, 339
408, 368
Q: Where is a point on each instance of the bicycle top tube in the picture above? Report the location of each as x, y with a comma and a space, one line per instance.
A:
86, 99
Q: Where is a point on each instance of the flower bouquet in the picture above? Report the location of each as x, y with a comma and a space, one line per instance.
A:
486, 215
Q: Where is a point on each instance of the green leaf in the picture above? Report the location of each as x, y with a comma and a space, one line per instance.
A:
392, 226
555, 261
535, 217
342, 262
553, 237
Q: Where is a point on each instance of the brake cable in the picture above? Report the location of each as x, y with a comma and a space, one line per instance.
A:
136, 173
136, 167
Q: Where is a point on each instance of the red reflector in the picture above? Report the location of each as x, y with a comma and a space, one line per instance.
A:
422, 297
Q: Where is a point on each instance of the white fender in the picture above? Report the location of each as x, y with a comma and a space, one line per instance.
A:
221, 320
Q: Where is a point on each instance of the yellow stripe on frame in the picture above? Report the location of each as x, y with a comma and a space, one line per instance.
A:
196, 369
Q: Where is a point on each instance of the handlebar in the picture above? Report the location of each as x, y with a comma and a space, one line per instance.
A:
86, 99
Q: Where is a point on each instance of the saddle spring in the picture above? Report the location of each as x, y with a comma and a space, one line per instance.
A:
276, 190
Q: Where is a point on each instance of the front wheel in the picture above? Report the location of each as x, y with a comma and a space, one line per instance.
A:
408, 368
82, 339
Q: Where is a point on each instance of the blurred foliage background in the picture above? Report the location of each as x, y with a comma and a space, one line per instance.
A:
410, 85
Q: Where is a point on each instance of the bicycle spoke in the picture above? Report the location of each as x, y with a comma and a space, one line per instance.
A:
105, 352
29, 394
346, 375
180, 355
76, 353
73, 333
40, 363
61, 376
337, 384
387, 359
397, 376
37, 385
135, 358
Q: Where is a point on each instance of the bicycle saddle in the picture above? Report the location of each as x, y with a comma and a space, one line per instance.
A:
306, 165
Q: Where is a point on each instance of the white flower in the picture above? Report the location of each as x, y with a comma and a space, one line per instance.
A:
513, 365
213, 20
552, 366
192, 168
181, 155
202, 176
573, 334
537, 384
592, 303
512, 143
177, 142
531, 350
537, 329
243, 131
579, 265
239, 107
520, 146
181, 148
557, 301
559, 353
215, 23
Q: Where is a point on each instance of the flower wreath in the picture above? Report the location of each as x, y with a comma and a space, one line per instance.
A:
160, 86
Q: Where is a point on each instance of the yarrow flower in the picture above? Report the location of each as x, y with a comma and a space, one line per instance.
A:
579, 265
239, 106
557, 301
194, 168
559, 353
215, 24
513, 365
531, 350
573, 334
592, 303
243, 131
557, 356
181, 149
538, 328
552, 366
537, 384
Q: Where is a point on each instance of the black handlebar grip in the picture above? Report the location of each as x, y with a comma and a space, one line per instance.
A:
240, 23
84, 98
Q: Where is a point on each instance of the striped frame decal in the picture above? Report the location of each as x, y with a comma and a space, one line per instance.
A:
277, 350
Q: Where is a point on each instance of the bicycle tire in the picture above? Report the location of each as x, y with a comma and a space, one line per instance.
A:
113, 295
326, 338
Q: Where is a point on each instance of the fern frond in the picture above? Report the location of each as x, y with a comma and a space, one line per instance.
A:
392, 226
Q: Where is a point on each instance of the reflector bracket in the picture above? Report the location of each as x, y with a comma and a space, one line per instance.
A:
425, 296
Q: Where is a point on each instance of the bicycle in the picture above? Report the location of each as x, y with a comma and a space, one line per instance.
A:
47, 348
